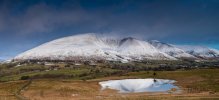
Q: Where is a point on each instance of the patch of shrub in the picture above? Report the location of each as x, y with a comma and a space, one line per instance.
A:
24, 77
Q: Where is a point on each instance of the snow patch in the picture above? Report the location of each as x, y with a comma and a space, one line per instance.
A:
170, 49
201, 51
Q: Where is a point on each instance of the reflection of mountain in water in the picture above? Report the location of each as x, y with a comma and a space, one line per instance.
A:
139, 85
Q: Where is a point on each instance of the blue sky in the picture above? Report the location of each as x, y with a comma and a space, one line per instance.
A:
25, 24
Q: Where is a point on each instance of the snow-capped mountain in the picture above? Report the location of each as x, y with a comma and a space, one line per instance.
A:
201, 51
90, 46
135, 48
4, 60
1, 60
93, 47
170, 49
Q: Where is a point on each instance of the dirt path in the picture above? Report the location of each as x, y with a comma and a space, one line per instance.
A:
18, 93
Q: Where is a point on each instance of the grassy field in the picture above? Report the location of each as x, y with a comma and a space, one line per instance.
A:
40, 72
63, 81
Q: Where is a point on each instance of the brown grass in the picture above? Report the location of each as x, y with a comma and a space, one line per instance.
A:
90, 90
196, 85
8, 89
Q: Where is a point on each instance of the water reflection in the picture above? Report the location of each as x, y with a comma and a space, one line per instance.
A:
139, 85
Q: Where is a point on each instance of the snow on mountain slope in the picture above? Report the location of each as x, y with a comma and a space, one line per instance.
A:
170, 49
74, 47
5, 59
1, 60
201, 51
90, 46
140, 49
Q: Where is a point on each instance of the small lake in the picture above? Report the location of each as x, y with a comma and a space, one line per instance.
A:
140, 85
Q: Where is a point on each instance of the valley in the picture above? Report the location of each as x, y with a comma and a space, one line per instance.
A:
68, 80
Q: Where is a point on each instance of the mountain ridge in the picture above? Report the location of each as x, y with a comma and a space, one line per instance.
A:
201, 51
91, 46
171, 49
